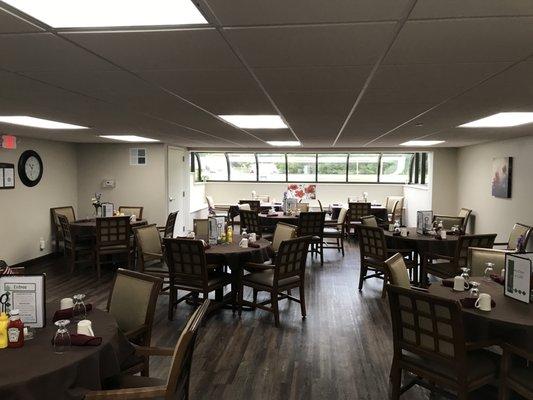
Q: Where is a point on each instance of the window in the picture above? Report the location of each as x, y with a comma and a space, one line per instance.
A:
213, 166
363, 168
395, 168
242, 167
271, 167
332, 167
302, 167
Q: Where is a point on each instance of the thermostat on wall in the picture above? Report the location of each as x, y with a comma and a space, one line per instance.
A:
108, 183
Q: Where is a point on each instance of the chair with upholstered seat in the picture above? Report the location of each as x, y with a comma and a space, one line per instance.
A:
75, 247
112, 238
312, 224
336, 230
214, 210
397, 272
67, 211
369, 220
132, 210
516, 372
283, 232
449, 221
356, 211
394, 211
176, 386
374, 254
430, 344
444, 266
168, 229
150, 251
132, 303
189, 271
251, 222
287, 272
302, 207
255, 205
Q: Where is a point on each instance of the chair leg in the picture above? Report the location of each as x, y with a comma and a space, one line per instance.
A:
275, 308
254, 298
395, 382
72, 259
321, 245
362, 274
240, 299
172, 294
342, 245
302, 301
98, 272
384, 289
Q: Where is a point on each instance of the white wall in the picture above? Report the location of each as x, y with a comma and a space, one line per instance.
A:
496, 215
25, 211
135, 184
444, 182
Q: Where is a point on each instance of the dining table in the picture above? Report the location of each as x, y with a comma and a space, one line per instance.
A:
269, 220
510, 320
36, 372
87, 227
377, 210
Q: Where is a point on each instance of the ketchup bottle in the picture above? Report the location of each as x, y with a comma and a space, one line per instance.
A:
15, 330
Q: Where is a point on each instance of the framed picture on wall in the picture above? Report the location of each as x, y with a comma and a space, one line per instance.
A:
7, 176
502, 177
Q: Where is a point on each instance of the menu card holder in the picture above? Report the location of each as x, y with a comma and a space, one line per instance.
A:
108, 209
518, 276
27, 294
424, 221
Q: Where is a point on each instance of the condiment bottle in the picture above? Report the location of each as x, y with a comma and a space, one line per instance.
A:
4, 322
15, 330
229, 235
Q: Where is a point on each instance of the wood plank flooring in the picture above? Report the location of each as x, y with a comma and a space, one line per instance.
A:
342, 350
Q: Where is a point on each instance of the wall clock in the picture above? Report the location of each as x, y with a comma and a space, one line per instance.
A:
30, 168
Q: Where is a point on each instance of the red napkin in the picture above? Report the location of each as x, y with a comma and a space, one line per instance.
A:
498, 279
470, 302
68, 313
254, 245
83, 340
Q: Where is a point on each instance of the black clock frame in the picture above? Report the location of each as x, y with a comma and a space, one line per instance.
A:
22, 168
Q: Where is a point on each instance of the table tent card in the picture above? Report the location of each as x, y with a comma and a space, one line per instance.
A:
27, 294
518, 275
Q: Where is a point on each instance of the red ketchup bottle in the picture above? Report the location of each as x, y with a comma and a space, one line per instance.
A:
15, 330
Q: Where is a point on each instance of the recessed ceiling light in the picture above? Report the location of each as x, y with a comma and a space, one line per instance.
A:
110, 13
499, 120
422, 142
129, 138
284, 143
38, 122
255, 121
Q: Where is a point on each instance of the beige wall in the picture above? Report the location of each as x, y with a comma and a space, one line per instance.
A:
25, 211
135, 185
444, 182
495, 215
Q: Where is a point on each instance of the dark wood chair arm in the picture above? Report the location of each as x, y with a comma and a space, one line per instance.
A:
161, 228
160, 255
154, 351
132, 393
258, 267
481, 344
501, 244
419, 289
394, 251
509, 348
136, 332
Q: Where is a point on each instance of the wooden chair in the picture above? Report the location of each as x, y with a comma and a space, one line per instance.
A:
397, 272
465, 213
214, 210
513, 376
374, 254
429, 342
132, 302
201, 228
312, 224
176, 386
369, 220
283, 232
150, 251
75, 247
251, 222
356, 211
302, 207
168, 229
132, 210
189, 271
444, 266
519, 230
112, 237
255, 205
448, 222
394, 211
67, 211
287, 272
336, 230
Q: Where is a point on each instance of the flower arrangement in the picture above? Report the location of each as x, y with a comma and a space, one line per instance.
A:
97, 204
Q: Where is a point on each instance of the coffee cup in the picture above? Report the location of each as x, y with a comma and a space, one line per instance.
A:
403, 232
459, 284
65, 303
443, 234
252, 238
85, 328
243, 243
133, 218
483, 302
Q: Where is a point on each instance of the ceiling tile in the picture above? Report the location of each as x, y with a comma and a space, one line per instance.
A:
10, 23
470, 8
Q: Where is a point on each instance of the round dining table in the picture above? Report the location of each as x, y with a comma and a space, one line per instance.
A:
422, 244
35, 372
272, 219
510, 319
87, 227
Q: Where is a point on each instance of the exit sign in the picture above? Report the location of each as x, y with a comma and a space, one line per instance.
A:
9, 142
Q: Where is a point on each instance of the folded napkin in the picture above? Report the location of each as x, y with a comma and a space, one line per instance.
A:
470, 302
449, 283
254, 245
498, 279
68, 313
83, 340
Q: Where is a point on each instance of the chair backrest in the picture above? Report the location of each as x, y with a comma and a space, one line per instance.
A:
149, 243
245, 207
265, 198
132, 302
113, 231
369, 220
428, 326
132, 210
391, 200
341, 219
519, 230
372, 242
311, 223
65, 230
290, 258
255, 205
356, 211
180, 369
320, 205
186, 261
397, 212
169, 226
283, 232
398, 274
250, 221
466, 241
210, 202
464, 213
67, 211
449, 222
302, 207
201, 228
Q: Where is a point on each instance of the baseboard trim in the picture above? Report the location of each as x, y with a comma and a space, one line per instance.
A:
37, 260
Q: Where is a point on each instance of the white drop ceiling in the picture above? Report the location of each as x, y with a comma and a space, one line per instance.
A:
342, 73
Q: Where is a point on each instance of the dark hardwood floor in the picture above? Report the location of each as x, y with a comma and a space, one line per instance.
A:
342, 350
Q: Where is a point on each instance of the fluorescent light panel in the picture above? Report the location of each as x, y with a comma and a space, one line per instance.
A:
110, 13
255, 121
422, 142
500, 120
129, 138
284, 143
38, 122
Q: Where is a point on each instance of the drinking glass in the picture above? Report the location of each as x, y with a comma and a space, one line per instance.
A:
474, 291
79, 310
489, 269
466, 274
62, 336
244, 234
